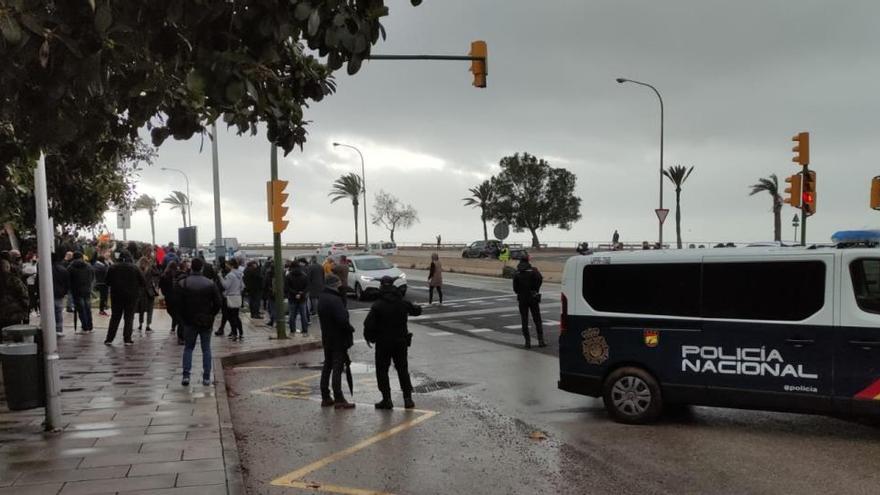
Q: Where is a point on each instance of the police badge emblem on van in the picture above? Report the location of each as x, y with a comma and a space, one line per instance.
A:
595, 347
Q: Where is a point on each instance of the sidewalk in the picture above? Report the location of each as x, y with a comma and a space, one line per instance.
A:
128, 426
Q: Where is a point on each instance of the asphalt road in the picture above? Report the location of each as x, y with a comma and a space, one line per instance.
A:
490, 420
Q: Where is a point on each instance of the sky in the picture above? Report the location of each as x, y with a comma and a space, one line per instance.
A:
738, 80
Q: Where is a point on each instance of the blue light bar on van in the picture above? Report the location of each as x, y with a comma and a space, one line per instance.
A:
856, 237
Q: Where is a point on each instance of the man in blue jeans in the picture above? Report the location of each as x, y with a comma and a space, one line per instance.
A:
200, 302
296, 287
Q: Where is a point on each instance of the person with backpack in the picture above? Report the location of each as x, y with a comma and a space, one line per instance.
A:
199, 301
527, 286
386, 326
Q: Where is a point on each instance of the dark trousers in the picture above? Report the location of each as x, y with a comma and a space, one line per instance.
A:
334, 363
102, 297
254, 304
534, 307
83, 307
431, 294
190, 334
385, 354
224, 317
119, 308
234, 321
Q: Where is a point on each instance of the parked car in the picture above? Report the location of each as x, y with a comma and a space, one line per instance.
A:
332, 249
482, 249
383, 248
366, 270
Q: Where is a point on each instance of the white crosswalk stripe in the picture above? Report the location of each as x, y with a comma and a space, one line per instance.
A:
440, 334
479, 330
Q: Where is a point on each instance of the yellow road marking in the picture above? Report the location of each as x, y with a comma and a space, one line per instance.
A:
294, 478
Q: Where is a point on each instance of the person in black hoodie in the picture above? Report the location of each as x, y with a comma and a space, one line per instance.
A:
296, 288
527, 286
60, 288
82, 277
386, 326
126, 283
337, 335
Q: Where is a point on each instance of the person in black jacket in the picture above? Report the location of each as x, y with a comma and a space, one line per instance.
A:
316, 284
253, 285
126, 283
82, 277
296, 288
527, 286
200, 302
60, 288
101, 268
337, 335
386, 326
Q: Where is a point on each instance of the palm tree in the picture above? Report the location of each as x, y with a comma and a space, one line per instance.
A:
146, 202
179, 201
677, 175
481, 197
771, 185
349, 186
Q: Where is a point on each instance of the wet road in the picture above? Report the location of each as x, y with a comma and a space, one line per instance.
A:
484, 408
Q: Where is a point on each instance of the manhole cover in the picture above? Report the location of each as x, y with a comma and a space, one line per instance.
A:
435, 385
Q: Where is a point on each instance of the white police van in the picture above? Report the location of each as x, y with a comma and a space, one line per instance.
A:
786, 329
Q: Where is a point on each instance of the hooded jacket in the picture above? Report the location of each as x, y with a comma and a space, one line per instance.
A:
126, 282
82, 276
527, 282
386, 324
199, 300
296, 284
233, 283
337, 334
60, 280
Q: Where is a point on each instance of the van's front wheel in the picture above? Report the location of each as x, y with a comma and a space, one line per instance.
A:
632, 396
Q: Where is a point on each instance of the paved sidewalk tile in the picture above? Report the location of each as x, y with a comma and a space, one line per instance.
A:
128, 426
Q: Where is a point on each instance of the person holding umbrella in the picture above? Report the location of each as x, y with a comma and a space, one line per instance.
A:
337, 336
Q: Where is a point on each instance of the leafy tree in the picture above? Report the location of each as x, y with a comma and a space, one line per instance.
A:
390, 213
481, 197
531, 195
349, 186
677, 174
147, 202
771, 185
178, 201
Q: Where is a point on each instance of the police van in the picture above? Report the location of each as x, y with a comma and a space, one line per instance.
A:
785, 329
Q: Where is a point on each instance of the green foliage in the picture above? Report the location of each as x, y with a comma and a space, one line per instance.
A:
481, 197
677, 174
349, 186
531, 195
390, 213
178, 201
771, 185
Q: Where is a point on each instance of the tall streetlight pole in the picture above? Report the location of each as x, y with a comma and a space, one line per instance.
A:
364, 184
218, 229
622, 80
188, 198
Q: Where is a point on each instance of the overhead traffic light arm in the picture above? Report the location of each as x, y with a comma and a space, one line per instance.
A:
478, 57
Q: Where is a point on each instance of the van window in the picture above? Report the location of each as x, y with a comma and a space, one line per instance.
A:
865, 274
777, 290
651, 289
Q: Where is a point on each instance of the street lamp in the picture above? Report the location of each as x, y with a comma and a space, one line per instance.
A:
188, 198
795, 222
364, 184
622, 80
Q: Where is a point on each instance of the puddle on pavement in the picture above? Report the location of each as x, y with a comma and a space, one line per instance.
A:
355, 367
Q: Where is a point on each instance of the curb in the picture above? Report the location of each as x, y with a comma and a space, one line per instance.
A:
231, 459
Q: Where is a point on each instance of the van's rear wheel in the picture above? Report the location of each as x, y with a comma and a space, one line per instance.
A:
632, 396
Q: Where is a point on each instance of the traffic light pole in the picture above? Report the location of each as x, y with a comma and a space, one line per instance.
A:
278, 264
803, 208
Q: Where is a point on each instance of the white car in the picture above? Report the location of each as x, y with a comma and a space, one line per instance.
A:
366, 270
332, 249
383, 248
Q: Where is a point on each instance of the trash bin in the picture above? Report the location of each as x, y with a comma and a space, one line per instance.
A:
20, 333
24, 378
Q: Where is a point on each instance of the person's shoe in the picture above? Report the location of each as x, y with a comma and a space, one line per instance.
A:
149, 329
59, 334
343, 404
408, 403
219, 334
232, 336
541, 343
384, 404
108, 343
327, 403
185, 381
69, 310
206, 382
528, 345
129, 342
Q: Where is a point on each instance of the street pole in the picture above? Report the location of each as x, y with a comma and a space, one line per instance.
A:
278, 265
804, 175
45, 239
364, 185
218, 229
794, 223
623, 80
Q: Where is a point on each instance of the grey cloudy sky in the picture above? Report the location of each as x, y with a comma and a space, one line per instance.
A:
738, 80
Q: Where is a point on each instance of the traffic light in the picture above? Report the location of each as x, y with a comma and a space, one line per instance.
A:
479, 67
809, 194
802, 149
875, 193
276, 199
793, 190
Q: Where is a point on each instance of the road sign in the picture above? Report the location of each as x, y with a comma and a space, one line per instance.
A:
123, 219
501, 231
661, 214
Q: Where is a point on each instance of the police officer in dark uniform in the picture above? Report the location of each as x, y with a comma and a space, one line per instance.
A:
386, 326
527, 286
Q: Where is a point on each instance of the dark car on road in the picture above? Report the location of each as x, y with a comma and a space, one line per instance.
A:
482, 249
